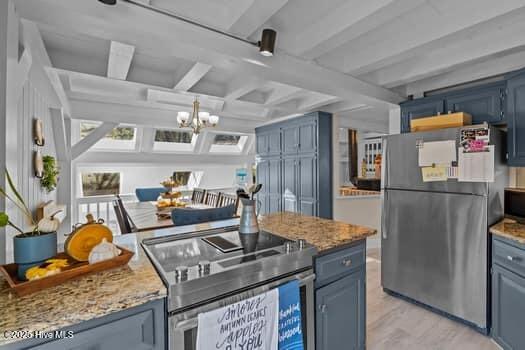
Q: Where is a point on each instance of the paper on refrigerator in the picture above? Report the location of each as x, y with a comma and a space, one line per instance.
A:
476, 166
434, 173
437, 153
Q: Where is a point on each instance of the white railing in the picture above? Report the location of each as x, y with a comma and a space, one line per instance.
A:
101, 207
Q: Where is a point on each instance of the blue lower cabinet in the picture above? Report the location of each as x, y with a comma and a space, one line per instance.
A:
508, 294
340, 317
139, 328
340, 299
508, 308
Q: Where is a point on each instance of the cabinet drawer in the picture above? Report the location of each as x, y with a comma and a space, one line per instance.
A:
331, 266
509, 257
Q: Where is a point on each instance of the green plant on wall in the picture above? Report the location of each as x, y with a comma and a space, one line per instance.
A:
49, 179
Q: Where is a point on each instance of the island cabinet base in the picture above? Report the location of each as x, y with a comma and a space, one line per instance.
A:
340, 298
508, 293
141, 327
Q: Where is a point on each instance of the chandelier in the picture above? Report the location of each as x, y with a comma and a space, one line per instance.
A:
198, 121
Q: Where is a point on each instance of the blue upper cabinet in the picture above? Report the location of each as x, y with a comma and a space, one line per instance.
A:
516, 120
485, 104
419, 109
269, 142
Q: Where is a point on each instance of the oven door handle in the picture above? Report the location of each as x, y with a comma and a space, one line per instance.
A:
193, 322
305, 280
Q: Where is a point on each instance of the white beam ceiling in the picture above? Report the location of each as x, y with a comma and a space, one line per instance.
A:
342, 33
192, 76
405, 45
256, 15
327, 26
476, 43
403, 37
195, 44
119, 61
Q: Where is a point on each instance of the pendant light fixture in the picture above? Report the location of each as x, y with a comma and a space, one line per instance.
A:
108, 2
198, 121
267, 43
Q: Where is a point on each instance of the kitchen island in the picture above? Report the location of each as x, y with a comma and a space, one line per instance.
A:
100, 300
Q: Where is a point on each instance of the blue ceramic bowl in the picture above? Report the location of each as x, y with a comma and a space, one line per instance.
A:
31, 251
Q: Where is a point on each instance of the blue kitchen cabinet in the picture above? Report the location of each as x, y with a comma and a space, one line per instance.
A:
340, 299
138, 328
302, 182
484, 104
508, 293
289, 183
307, 184
269, 142
516, 120
419, 109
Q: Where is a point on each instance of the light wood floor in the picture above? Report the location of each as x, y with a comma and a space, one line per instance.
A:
394, 324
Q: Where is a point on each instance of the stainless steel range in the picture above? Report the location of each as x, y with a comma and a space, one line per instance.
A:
210, 269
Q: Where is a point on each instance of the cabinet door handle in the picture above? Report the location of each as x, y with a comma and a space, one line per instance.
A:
322, 308
346, 262
513, 258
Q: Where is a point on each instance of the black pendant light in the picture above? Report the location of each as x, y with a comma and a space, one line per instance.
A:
108, 2
267, 43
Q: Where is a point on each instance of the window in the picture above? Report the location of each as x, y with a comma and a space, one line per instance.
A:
100, 184
173, 136
228, 143
174, 140
372, 150
119, 133
182, 177
228, 140
120, 138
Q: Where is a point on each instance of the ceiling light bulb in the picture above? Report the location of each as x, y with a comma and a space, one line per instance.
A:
182, 117
214, 119
204, 116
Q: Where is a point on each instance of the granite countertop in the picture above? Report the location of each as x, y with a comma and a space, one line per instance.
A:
323, 233
83, 299
510, 229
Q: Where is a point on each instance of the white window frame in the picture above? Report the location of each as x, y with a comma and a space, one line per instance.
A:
106, 144
174, 146
238, 148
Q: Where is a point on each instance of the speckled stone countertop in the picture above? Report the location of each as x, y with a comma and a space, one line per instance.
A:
85, 298
322, 233
510, 229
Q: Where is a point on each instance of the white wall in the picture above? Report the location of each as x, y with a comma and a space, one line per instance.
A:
364, 211
26, 93
30, 105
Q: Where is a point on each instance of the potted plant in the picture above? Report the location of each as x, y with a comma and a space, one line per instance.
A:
31, 248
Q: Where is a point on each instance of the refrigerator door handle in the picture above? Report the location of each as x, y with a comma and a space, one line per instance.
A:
384, 213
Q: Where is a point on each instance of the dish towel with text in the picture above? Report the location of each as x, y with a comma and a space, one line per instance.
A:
290, 327
248, 324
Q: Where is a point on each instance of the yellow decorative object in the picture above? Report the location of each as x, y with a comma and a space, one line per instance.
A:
82, 240
50, 267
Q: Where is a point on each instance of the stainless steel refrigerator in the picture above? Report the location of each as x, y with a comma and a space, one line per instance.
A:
435, 242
